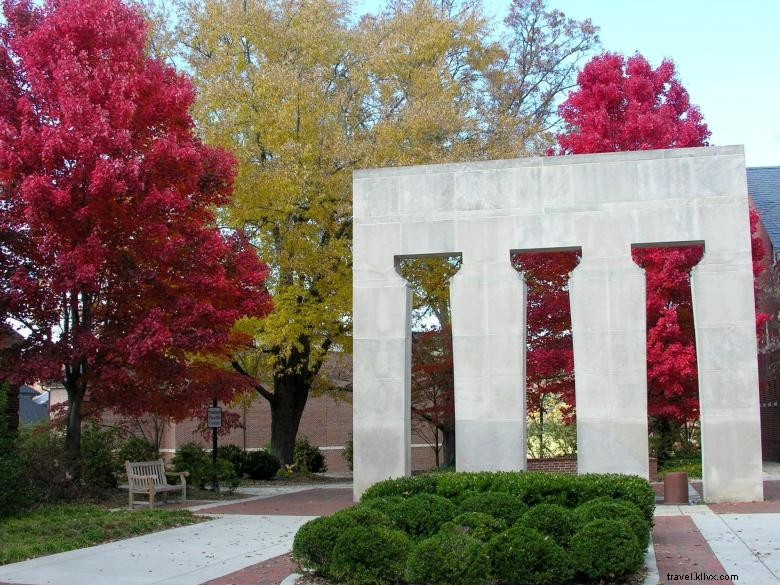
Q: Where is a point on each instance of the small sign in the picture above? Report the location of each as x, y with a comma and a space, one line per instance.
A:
214, 417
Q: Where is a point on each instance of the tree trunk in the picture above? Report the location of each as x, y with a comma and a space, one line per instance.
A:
448, 442
73, 431
290, 394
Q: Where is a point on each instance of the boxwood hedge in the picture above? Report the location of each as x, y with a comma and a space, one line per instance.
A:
505, 528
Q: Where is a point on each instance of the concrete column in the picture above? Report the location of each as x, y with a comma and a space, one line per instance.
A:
607, 294
488, 340
381, 380
724, 317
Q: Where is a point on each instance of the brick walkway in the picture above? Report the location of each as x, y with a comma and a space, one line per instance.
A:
314, 502
680, 549
270, 572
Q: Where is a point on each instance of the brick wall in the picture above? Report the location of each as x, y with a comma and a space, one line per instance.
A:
569, 465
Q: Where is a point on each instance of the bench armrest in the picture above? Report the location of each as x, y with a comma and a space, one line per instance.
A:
179, 473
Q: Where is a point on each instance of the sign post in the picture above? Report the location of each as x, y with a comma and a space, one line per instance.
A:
214, 421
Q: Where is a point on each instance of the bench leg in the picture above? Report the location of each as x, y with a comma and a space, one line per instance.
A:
130, 498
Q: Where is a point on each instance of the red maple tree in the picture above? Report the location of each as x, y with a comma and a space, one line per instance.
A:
624, 104
109, 250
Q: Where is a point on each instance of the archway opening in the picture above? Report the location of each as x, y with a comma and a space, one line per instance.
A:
550, 398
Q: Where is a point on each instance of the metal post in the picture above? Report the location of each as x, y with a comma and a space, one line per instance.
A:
215, 483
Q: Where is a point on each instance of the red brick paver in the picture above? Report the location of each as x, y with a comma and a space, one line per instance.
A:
680, 549
270, 572
313, 502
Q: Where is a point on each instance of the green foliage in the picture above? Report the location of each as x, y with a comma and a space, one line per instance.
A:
551, 520
260, 465
370, 555
314, 542
53, 529
136, 449
223, 472
46, 465
607, 509
476, 525
98, 457
499, 505
348, 452
17, 493
193, 458
422, 515
523, 556
690, 465
532, 488
605, 550
449, 559
235, 454
307, 457
387, 506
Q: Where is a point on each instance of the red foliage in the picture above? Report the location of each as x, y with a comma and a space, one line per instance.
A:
624, 104
433, 382
627, 105
108, 247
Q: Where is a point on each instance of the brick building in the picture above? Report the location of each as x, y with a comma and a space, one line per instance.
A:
764, 189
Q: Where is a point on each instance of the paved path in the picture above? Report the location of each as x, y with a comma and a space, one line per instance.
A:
247, 540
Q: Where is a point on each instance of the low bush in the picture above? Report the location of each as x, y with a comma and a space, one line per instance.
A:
499, 505
193, 458
223, 472
523, 556
606, 550
136, 449
260, 465
307, 457
449, 559
532, 488
314, 542
551, 520
423, 514
370, 555
17, 492
235, 454
47, 465
606, 509
98, 458
477, 525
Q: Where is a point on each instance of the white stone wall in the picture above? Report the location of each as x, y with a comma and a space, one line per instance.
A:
602, 204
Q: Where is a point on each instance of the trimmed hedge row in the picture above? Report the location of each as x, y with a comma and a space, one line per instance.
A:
530, 488
457, 529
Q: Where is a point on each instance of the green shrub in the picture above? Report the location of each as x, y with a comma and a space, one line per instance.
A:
532, 488
47, 465
523, 556
307, 457
136, 449
403, 486
423, 514
193, 458
348, 454
17, 492
260, 465
499, 505
235, 454
606, 550
98, 459
370, 555
314, 542
387, 506
477, 525
223, 472
551, 520
606, 509
449, 559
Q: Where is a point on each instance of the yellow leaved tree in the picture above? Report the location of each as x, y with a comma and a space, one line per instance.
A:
305, 91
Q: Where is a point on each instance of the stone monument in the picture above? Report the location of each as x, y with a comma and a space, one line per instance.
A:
604, 205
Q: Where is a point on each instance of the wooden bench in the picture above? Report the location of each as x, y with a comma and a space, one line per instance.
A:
149, 477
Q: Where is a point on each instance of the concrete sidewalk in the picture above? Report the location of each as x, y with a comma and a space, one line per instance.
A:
246, 533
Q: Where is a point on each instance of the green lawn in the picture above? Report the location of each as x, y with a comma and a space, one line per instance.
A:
52, 529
